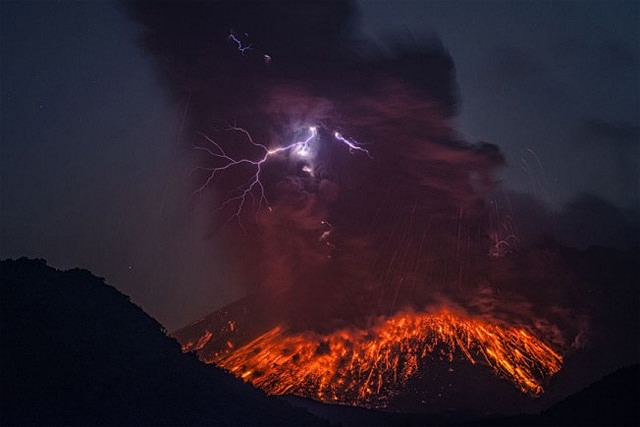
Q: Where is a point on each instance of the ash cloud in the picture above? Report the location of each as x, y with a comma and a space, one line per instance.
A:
356, 235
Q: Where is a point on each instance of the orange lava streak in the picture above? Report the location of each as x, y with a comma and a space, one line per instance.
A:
357, 366
190, 346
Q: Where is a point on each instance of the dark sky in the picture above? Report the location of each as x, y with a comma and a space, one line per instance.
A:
92, 174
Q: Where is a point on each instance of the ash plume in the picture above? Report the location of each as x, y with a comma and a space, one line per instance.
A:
347, 234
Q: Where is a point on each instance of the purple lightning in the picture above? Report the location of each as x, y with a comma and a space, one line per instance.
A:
301, 148
241, 48
353, 145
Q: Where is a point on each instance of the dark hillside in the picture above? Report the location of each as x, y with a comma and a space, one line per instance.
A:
614, 400
76, 351
611, 401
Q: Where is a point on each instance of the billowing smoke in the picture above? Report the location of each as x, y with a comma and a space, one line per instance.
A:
386, 208
344, 196
341, 232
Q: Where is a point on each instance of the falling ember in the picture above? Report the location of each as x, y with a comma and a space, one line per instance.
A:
367, 366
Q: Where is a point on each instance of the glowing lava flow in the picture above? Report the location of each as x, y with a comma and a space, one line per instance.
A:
365, 367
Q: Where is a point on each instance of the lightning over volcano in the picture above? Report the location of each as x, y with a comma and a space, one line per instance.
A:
319, 212
377, 238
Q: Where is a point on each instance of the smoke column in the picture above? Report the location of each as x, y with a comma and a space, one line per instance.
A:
384, 208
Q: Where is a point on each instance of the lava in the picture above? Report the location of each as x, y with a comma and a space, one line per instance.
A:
367, 366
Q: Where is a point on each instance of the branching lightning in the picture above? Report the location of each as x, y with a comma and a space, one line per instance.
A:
254, 187
243, 49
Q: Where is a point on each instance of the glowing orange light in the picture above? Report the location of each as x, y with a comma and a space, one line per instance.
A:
365, 366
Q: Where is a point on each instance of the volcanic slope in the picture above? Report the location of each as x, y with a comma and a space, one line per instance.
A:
75, 351
336, 368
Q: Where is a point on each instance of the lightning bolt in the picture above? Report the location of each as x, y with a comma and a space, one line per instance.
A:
253, 187
352, 144
241, 48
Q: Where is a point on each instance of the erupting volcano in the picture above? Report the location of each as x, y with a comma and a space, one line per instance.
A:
343, 195
366, 366
357, 225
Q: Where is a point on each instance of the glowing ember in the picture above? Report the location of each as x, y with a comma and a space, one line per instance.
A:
366, 366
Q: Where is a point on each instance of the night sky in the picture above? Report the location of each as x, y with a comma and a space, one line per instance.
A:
94, 175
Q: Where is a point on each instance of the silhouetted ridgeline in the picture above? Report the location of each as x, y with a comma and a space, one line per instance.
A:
76, 351
612, 401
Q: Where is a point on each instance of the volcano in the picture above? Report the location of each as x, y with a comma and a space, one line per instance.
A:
365, 366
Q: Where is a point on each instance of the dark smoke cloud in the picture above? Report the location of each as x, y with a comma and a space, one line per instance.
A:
420, 223
361, 235
392, 222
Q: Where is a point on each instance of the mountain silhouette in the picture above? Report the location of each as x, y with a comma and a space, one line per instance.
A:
75, 351
611, 401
